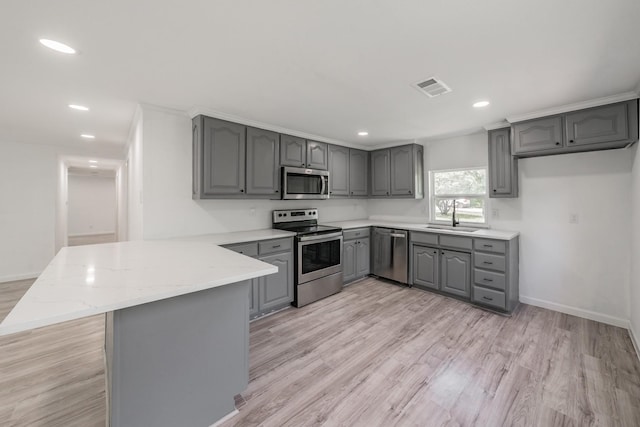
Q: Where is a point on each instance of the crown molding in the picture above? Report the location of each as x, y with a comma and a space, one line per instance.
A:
626, 96
498, 125
196, 111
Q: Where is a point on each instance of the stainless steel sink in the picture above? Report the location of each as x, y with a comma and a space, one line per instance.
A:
448, 227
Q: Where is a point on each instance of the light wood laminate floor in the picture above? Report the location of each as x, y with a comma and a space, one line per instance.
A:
374, 355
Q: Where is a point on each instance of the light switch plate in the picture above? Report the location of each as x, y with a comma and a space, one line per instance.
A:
574, 218
495, 213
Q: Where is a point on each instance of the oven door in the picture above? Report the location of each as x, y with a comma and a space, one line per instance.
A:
319, 256
300, 183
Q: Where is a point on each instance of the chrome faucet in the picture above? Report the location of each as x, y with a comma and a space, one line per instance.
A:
454, 221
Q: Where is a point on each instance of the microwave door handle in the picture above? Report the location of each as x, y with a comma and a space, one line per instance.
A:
324, 185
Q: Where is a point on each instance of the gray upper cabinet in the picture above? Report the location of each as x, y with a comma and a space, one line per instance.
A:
425, 266
301, 153
537, 135
402, 172
380, 178
598, 128
263, 161
455, 273
220, 158
503, 167
597, 125
277, 289
358, 173
339, 170
293, 151
317, 155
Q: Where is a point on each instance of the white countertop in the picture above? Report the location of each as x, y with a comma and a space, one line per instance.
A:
482, 232
85, 280
238, 236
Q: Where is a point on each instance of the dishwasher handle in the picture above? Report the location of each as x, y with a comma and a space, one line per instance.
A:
404, 236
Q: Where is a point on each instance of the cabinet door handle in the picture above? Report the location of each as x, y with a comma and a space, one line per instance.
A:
409, 191
387, 193
242, 190
487, 298
557, 143
488, 262
494, 190
487, 280
277, 191
571, 141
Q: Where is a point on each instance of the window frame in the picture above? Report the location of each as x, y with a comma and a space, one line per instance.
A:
432, 197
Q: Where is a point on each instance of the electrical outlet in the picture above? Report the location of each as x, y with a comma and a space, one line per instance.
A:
574, 218
252, 211
495, 213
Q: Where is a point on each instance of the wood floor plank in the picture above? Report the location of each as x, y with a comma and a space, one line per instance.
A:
377, 354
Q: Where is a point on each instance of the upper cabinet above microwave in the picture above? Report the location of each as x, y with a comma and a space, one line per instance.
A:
597, 128
302, 153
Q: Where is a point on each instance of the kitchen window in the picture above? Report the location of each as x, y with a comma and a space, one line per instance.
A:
468, 187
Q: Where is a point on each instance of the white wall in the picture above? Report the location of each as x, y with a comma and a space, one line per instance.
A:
634, 300
92, 205
134, 171
579, 268
168, 207
29, 179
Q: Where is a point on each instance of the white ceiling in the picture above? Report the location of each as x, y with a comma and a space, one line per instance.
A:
328, 68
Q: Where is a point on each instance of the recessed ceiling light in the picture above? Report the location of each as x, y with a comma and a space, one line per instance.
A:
93, 166
363, 133
87, 136
57, 46
78, 107
93, 161
481, 104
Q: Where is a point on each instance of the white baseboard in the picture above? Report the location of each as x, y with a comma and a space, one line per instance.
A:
225, 418
95, 233
634, 340
575, 311
14, 277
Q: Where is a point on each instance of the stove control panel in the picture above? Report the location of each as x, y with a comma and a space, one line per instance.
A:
291, 215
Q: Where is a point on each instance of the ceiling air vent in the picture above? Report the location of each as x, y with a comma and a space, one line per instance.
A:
433, 87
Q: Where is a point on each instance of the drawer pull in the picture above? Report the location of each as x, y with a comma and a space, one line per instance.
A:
487, 262
488, 246
357, 234
487, 280
240, 252
275, 246
487, 298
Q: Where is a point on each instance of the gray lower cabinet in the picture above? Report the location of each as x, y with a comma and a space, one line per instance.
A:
263, 161
380, 178
338, 171
503, 167
495, 273
358, 173
598, 128
425, 265
356, 254
455, 273
275, 291
218, 158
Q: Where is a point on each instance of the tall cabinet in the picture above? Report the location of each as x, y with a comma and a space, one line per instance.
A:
503, 167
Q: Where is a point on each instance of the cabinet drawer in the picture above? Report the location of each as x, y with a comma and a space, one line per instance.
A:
490, 297
428, 238
248, 249
489, 278
491, 262
487, 245
456, 242
355, 234
272, 246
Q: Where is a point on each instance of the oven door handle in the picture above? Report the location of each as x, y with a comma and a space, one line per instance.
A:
329, 236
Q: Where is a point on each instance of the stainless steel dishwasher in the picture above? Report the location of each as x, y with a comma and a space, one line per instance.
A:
390, 254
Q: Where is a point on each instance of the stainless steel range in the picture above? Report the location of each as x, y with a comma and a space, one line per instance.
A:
318, 255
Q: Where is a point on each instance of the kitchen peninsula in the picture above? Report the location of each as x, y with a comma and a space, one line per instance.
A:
177, 330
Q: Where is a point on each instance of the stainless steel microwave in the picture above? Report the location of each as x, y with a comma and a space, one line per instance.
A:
304, 184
